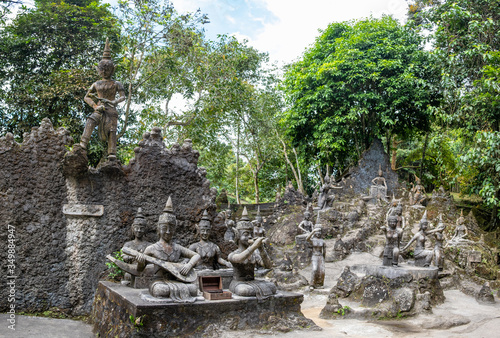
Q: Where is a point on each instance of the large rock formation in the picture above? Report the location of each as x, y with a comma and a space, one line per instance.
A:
67, 219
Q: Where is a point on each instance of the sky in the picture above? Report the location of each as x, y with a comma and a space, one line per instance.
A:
284, 28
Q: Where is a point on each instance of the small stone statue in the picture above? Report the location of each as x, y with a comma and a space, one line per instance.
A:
324, 199
306, 226
244, 260
379, 187
287, 278
422, 256
258, 230
393, 235
138, 243
461, 229
417, 196
173, 278
318, 256
229, 223
209, 252
438, 246
102, 97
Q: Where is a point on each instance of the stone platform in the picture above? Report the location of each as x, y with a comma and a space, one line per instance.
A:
392, 272
120, 311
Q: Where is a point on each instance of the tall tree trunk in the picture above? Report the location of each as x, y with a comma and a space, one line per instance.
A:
424, 150
256, 186
237, 167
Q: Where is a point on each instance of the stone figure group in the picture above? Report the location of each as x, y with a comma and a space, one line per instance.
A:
174, 266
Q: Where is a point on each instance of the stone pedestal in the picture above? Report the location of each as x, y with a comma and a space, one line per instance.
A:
120, 311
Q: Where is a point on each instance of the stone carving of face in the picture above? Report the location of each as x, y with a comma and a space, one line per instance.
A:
307, 216
423, 225
245, 236
106, 69
165, 231
138, 229
204, 233
392, 222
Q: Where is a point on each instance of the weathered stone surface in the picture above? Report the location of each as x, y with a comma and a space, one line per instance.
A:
61, 257
114, 304
404, 299
485, 295
359, 179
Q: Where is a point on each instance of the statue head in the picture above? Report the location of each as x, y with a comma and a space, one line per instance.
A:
139, 224
106, 68
399, 209
380, 172
205, 226
258, 217
424, 222
392, 221
167, 222
461, 219
327, 179
307, 215
244, 229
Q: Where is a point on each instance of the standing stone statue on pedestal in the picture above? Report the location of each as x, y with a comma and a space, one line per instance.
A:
393, 235
102, 97
229, 223
438, 246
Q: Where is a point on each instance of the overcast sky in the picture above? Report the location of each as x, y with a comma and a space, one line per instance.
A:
284, 28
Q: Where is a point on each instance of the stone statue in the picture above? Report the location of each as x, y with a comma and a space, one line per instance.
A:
173, 278
318, 256
417, 196
287, 278
258, 230
138, 243
306, 226
324, 198
244, 260
393, 235
423, 257
229, 223
209, 252
379, 187
102, 97
461, 229
438, 246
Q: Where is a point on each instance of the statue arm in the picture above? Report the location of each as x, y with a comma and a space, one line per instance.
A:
309, 236
245, 254
265, 260
121, 93
88, 99
410, 242
221, 260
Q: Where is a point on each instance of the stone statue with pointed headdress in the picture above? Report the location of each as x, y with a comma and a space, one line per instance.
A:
210, 253
102, 98
250, 252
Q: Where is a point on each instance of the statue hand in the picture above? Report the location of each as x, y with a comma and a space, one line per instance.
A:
185, 269
140, 258
100, 108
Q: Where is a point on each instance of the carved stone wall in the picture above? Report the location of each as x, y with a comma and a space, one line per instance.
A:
61, 255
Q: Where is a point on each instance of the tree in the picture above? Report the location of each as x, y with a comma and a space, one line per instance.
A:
360, 80
47, 58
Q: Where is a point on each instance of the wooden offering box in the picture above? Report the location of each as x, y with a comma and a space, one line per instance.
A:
211, 286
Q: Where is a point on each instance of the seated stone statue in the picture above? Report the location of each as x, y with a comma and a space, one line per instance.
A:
379, 188
306, 226
211, 256
287, 278
423, 257
173, 278
417, 196
244, 260
138, 244
324, 199
460, 232
393, 235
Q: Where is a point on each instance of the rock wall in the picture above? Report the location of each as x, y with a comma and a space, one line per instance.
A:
60, 256
359, 179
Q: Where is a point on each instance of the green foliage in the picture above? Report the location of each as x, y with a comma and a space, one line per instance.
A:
115, 272
361, 79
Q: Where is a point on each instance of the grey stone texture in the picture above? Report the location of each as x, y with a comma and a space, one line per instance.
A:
114, 304
359, 178
60, 258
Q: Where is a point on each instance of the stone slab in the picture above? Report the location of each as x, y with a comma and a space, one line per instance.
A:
83, 210
114, 304
401, 271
